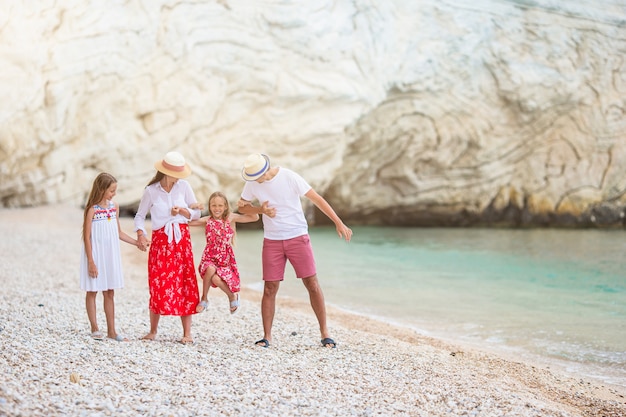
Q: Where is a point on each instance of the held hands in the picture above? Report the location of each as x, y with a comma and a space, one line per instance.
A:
263, 209
268, 211
176, 210
142, 243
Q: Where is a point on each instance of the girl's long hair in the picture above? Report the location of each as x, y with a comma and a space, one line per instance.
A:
102, 183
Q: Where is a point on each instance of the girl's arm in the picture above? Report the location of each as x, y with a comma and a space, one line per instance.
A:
92, 268
123, 236
246, 207
192, 212
235, 218
244, 218
200, 222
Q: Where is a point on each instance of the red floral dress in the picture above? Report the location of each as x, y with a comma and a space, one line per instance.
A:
219, 253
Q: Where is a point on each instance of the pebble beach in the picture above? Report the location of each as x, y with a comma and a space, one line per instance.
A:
52, 367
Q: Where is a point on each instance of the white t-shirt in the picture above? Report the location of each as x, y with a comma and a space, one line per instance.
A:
283, 193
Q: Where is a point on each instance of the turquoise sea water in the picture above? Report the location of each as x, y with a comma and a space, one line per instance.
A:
557, 296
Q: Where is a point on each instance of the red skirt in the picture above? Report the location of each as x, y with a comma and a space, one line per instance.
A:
171, 275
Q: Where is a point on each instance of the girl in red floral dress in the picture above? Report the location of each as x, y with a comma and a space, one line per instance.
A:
218, 267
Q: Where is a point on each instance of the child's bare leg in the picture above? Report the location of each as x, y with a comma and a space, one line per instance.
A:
221, 284
109, 312
206, 282
90, 305
206, 286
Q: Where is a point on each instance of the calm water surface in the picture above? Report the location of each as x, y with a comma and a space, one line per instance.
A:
558, 296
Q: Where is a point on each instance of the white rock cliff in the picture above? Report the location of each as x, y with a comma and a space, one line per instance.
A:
414, 112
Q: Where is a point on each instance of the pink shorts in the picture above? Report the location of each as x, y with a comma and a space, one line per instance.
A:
297, 250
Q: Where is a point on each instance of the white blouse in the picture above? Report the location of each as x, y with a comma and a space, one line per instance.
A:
159, 202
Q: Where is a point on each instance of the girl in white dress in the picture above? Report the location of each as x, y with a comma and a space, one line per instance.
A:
101, 261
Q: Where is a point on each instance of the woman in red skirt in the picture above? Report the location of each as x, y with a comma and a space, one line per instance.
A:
171, 273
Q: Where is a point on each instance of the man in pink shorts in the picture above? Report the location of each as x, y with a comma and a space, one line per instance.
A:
286, 235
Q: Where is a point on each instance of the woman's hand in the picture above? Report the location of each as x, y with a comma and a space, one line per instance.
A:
142, 242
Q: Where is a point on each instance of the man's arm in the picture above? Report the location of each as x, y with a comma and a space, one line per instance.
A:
342, 230
246, 207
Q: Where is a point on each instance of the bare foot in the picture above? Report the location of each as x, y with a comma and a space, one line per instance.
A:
149, 336
186, 340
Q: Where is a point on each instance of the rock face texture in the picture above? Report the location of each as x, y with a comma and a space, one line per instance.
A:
458, 112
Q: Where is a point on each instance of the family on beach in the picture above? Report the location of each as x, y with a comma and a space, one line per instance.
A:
270, 192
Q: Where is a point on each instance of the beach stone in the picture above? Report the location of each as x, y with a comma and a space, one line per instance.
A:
75, 378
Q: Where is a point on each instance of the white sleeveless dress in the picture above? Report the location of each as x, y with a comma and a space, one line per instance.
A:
105, 246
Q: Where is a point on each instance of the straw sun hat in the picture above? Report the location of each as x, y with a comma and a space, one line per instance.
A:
255, 166
173, 165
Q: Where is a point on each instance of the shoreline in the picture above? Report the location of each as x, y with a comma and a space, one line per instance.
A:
378, 367
579, 370
387, 327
